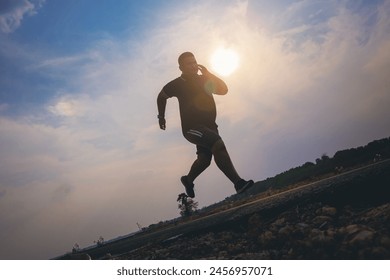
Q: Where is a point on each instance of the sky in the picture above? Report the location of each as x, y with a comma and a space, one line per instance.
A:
81, 153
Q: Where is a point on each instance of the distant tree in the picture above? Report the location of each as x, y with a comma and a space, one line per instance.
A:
76, 248
308, 164
186, 205
100, 241
325, 157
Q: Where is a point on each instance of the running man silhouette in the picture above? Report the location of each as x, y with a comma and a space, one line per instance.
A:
198, 115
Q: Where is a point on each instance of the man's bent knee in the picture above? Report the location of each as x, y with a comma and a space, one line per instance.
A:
218, 146
205, 158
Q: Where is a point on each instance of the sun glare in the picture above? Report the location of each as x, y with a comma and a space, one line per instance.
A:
224, 61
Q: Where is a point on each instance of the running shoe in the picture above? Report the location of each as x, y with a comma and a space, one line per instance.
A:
243, 185
188, 186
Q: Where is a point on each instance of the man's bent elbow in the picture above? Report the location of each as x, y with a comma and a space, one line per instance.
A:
223, 91
162, 97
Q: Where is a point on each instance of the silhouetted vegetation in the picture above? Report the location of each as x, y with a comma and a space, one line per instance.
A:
341, 161
186, 205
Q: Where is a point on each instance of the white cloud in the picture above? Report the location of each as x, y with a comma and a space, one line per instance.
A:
66, 107
12, 13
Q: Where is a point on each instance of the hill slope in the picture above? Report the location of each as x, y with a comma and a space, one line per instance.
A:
341, 217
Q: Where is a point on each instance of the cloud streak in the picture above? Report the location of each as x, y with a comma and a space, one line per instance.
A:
12, 13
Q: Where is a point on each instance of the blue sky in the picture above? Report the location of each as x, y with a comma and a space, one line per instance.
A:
81, 152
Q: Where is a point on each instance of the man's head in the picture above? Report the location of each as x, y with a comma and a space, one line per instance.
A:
188, 64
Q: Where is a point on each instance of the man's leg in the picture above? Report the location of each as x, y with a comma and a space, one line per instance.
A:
210, 140
200, 164
223, 161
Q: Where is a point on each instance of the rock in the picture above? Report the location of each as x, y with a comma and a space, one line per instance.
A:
223, 255
267, 238
302, 225
227, 235
364, 236
329, 211
320, 220
285, 231
350, 229
322, 239
279, 222
385, 242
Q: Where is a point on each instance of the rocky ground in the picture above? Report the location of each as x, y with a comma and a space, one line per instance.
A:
349, 219
342, 217
314, 231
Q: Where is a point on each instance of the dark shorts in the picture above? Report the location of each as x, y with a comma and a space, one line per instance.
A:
204, 138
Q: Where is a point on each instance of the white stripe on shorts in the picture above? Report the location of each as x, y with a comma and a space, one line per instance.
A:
195, 132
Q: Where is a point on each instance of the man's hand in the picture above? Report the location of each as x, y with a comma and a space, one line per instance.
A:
220, 86
203, 70
162, 122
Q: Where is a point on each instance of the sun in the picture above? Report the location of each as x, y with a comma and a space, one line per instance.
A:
224, 61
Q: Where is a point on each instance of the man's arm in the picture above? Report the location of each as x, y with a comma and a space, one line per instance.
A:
161, 105
220, 86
